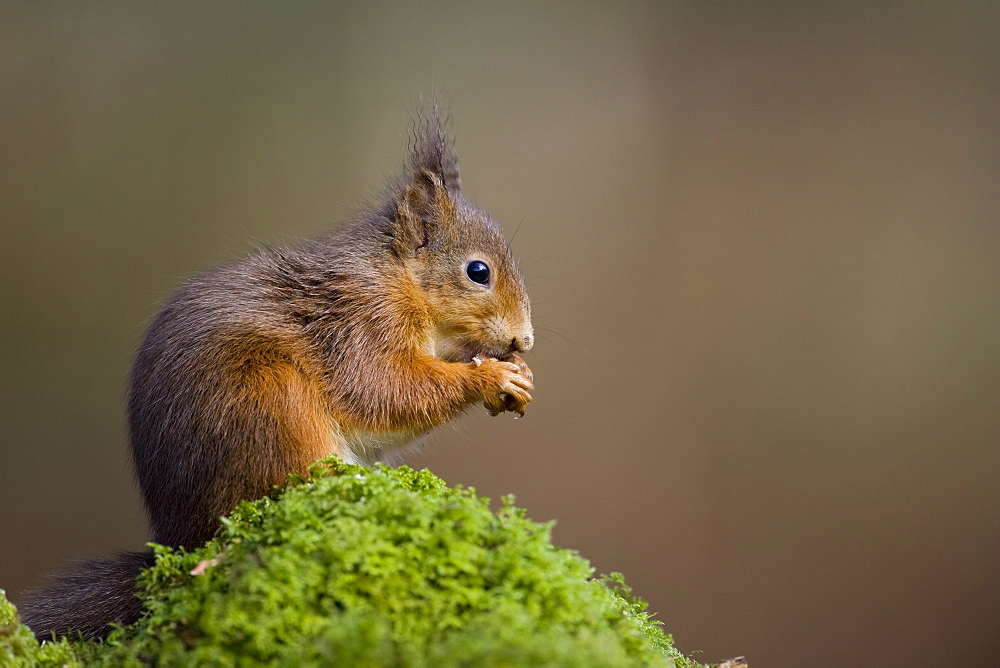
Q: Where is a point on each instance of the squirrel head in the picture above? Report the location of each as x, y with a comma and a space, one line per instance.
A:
457, 258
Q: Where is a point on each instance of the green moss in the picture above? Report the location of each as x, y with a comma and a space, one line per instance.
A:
19, 649
373, 567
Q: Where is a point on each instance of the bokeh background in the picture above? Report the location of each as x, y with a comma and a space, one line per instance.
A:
763, 242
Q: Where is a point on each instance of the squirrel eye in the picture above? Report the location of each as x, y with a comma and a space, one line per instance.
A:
478, 272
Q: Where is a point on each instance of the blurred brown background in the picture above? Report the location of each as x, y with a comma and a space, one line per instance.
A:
762, 241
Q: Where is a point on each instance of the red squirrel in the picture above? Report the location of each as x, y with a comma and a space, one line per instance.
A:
353, 344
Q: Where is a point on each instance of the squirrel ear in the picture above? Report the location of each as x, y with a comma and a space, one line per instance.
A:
427, 200
421, 209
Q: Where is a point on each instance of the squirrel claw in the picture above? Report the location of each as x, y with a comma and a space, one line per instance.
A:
515, 384
514, 405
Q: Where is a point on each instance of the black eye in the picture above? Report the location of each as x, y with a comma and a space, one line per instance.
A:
479, 272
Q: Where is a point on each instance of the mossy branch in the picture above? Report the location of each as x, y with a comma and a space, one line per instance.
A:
357, 566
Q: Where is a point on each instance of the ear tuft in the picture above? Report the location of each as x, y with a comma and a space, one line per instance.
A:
432, 150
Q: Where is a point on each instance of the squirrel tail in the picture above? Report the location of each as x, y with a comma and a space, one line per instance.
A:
88, 598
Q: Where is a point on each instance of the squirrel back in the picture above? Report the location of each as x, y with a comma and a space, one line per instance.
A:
354, 344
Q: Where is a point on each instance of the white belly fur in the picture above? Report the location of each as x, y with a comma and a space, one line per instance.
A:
366, 448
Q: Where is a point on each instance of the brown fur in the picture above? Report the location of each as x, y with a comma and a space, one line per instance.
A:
353, 344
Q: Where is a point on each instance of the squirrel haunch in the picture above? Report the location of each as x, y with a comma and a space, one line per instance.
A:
353, 344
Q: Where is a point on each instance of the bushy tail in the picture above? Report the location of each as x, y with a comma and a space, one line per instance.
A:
88, 598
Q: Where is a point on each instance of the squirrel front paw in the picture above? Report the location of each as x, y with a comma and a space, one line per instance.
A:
509, 385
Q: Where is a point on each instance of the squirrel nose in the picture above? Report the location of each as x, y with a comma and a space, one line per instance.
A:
523, 343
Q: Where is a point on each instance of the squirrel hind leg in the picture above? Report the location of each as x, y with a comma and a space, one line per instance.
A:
265, 417
289, 426
88, 598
